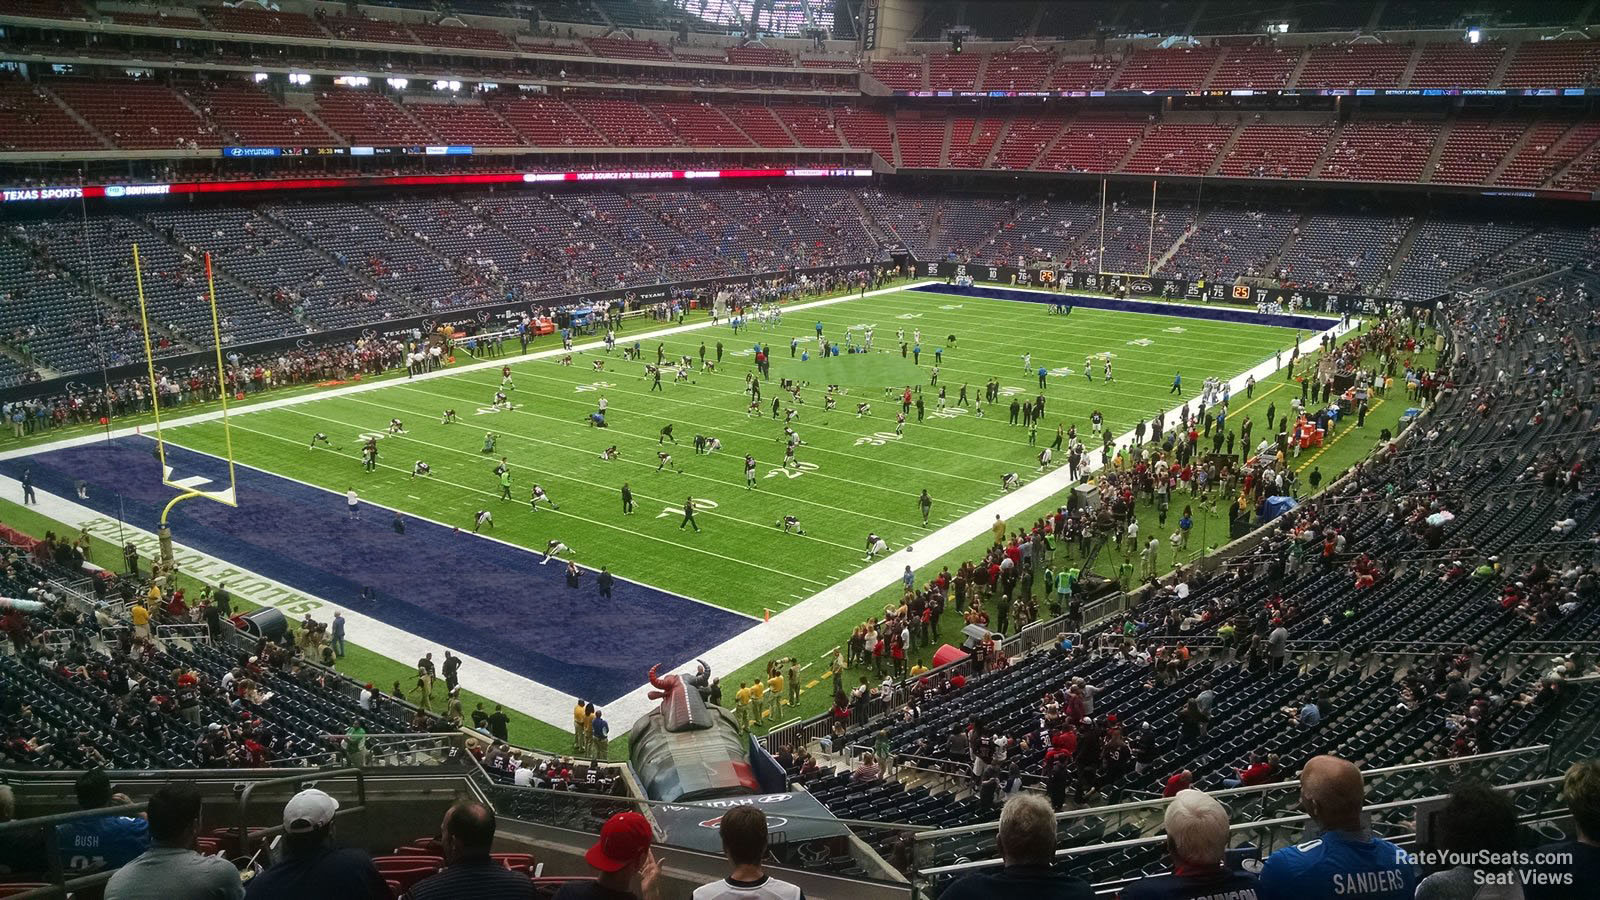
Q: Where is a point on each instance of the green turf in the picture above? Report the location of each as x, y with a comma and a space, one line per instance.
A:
855, 474
990, 339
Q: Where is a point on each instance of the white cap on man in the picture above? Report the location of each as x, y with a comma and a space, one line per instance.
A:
307, 811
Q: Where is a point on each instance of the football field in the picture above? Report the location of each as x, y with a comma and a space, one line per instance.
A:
855, 475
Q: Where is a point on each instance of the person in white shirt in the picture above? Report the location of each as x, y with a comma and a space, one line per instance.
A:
352, 503
522, 776
744, 842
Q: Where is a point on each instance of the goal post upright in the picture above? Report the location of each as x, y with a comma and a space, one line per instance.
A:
228, 496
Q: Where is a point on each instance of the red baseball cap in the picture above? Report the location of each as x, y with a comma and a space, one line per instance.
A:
623, 839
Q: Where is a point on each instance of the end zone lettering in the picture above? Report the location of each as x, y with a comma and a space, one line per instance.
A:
12, 195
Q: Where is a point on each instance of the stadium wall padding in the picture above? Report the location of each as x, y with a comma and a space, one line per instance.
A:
466, 319
1183, 310
1156, 287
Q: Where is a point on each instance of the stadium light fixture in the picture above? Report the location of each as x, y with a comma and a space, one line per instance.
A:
1474, 35
443, 85
1278, 28
399, 84
299, 78
260, 77
352, 80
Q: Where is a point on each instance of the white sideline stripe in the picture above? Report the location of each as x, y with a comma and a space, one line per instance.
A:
313, 396
762, 640
554, 707
495, 684
516, 692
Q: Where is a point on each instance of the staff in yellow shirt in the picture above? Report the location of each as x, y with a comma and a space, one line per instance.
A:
580, 728
775, 691
141, 620
742, 707
758, 692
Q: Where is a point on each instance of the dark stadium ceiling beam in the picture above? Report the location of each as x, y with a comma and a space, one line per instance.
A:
418, 74
208, 34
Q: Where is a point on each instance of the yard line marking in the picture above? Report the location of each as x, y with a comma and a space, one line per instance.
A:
578, 480
734, 654
646, 437
813, 423
308, 396
473, 490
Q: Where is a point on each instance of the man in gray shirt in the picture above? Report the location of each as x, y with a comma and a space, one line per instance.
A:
170, 869
1277, 647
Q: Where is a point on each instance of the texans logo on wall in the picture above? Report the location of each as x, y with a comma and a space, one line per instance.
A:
304, 344
429, 325
369, 333
484, 317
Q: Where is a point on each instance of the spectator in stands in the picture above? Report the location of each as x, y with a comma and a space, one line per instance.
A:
21, 851
1197, 836
744, 842
869, 770
1347, 858
1260, 771
1477, 819
102, 842
1177, 783
467, 836
1581, 789
622, 852
171, 869
1027, 840
312, 868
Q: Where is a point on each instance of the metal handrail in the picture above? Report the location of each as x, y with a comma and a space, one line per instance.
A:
1282, 821
59, 884
299, 779
1251, 789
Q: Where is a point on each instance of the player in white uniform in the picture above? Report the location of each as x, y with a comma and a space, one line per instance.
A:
538, 494
749, 471
553, 550
448, 418
791, 522
610, 453
500, 401
319, 438
1010, 481
666, 462
395, 427
875, 546
421, 468
484, 517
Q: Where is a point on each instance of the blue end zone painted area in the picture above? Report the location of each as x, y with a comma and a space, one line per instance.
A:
480, 597
1314, 324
